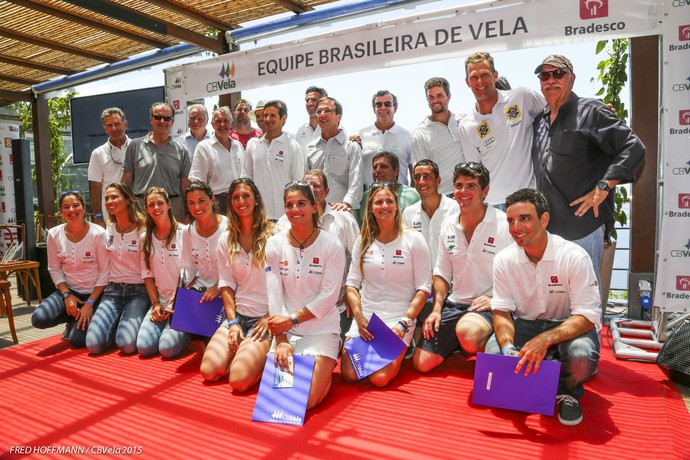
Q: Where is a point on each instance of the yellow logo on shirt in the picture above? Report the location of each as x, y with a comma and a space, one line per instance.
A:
483, 130
513, 112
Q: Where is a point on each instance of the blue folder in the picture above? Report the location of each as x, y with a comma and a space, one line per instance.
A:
497, 385
285, 406
383, 349
194, 317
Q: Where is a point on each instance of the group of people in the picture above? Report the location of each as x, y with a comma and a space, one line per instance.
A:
492, 248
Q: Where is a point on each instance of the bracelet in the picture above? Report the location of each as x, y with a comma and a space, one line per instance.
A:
507, 348
156, 303
403, 326
230, 322
358, 318
96, 216
91, 301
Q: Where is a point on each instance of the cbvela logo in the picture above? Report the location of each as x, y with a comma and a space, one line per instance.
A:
592, 9
681, 87
682, 170
681, 252
357, 364
176, 84
683, 282
286, 418
226, 82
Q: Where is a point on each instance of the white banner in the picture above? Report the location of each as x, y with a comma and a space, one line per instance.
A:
446, 34
8, 215
672, 286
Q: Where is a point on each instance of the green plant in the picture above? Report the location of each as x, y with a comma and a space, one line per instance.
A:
58, 121
613, 75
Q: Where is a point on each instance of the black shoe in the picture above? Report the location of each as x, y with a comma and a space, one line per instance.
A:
410, 350
68, 329
569, 411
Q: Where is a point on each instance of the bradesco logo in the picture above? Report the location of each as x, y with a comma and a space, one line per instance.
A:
683, 282
227, 72
684, 200
684, 32
684, 117
592, 9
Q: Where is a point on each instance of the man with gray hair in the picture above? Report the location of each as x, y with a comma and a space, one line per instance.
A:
157, 159
197, 119
105, 165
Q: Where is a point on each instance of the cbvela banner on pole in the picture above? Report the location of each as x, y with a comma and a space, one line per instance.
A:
8, 131
672, 286
451, 33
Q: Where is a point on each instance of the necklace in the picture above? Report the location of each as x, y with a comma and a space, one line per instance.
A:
301, 243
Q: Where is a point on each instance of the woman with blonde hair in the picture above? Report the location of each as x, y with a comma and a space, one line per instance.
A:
390, 275
240, 345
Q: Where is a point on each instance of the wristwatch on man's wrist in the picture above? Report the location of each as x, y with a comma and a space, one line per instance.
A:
603, 185
66, 294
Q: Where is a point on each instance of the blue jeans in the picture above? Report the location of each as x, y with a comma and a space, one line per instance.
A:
52, 312
155, 337
119, 316
594, 245
579, 357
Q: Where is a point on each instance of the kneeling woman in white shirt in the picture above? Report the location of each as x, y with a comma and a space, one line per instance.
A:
125, 302
304, 272
240, 345
390, 275
160, 268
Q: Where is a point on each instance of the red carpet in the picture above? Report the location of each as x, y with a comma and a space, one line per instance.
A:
55, 398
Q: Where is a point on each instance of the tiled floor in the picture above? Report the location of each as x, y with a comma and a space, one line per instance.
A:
27, 333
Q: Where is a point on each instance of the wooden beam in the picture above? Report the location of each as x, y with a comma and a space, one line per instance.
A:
14, 96
644, 100
150, 23
44, 173
20, 81
93, 23
35, 65
294, 7
193, 14
20, 37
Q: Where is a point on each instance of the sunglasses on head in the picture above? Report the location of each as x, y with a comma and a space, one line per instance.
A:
161, 117
378, 105
376, 185
557, 74
471, 165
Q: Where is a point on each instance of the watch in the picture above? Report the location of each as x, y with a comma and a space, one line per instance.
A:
66, 294
293, 318
407, 322
603, 185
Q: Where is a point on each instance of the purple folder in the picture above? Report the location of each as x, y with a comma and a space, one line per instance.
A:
497, 385
286, 406
194, 317
369, 357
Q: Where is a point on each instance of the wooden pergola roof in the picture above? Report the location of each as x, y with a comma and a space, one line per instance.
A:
44, 39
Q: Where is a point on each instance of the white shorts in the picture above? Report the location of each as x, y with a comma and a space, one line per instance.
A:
313, 345
407, 338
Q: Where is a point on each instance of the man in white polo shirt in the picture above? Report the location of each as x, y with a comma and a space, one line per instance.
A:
546, 302
273, 159
463, 283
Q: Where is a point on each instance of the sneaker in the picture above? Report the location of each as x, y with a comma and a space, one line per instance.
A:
569, 411
65, 333
410, 350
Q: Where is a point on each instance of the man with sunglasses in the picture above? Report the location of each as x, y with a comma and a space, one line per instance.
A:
243, 125
385, 136
385, 171
581, 151
105, 165
157, 159
498, 131
463, 273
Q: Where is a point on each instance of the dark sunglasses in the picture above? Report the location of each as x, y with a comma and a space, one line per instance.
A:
471, 165
557, 74
162, 117
378, 105
376, 185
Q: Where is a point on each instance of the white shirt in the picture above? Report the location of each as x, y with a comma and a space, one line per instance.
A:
124, 254
414, 217
82, 265
165, 264
305, 134
190, 142
310, 277
396, 140
105, 167
466, 266
391, 275
440, 143
341, 161
216, 165
560, 285
502, 141
200, 255
271, 166
246, 280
